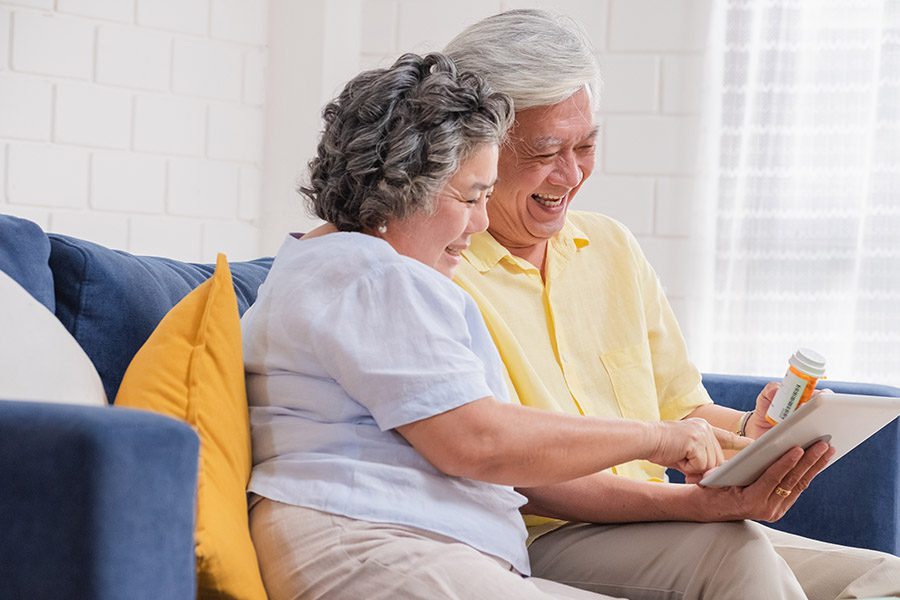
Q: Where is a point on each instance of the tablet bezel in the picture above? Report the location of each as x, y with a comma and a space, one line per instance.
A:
844, 420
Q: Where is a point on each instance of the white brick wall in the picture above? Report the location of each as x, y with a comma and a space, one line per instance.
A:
5, 37
651, 54
152, 113
254, 89
25, 108
109, 229
47, 175
238, 21
133, 58
170, 125
105, 112
235, 133
207, 68
129, 182
184, 236
201, 188
92, 116
50, 45
114, 10
185, 16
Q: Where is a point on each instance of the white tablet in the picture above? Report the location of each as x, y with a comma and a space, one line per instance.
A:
842, 420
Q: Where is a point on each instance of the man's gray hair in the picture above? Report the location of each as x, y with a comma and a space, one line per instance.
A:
536, 57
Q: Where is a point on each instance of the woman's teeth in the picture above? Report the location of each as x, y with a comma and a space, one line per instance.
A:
548, 201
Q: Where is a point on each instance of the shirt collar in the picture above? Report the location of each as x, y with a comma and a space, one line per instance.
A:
484, 252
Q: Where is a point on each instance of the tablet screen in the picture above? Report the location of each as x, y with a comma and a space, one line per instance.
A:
844, 420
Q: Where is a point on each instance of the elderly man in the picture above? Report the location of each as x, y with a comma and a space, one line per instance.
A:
584, 328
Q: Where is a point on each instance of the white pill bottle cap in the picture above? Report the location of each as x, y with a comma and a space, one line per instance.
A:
809, 362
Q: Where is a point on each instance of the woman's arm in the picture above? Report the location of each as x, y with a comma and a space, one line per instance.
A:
516, 445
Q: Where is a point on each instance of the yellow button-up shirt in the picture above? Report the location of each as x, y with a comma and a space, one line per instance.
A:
597, 337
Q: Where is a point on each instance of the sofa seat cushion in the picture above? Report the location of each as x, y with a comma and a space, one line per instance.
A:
111, 301
191, 368
24, 252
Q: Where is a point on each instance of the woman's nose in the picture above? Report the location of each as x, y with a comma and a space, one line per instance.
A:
478, 218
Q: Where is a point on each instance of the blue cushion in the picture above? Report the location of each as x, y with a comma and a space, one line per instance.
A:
24, 250
111, 301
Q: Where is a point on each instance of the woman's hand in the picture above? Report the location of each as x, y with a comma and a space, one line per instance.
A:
770, 496
693, 446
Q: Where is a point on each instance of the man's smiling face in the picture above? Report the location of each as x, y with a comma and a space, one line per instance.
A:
548, 155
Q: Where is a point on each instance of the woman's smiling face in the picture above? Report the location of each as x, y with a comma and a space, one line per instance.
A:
437, 239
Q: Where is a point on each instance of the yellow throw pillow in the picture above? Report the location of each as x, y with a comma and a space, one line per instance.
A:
191, 368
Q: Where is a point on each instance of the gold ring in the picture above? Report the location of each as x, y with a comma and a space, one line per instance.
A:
782, 492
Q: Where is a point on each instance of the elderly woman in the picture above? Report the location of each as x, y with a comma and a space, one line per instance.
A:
384, 447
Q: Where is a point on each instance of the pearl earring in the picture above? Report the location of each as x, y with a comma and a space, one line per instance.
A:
382, 229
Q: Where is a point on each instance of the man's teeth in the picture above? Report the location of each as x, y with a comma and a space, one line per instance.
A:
548, 201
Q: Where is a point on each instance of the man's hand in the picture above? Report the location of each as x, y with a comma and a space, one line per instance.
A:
770, 496
757, 424
693, 446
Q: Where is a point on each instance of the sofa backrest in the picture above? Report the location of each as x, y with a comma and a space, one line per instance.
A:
111, 301
24, 251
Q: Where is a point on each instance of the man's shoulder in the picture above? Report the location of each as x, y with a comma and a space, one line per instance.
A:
606, 237
594, 224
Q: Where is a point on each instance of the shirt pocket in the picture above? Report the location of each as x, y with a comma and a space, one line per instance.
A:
630, 371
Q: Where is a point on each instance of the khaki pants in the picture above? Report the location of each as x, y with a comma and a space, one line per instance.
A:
719, 561
306, 554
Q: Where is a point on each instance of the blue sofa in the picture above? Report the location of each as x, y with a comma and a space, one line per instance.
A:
99, 503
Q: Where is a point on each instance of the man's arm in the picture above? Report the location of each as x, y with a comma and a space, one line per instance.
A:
719, 416
607, 498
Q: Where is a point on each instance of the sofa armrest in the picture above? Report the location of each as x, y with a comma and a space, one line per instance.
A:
96, 503
855, 501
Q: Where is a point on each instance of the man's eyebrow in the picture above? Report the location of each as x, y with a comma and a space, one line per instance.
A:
549, 141
544, 142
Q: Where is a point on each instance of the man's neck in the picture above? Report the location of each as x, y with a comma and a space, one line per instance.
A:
536, 254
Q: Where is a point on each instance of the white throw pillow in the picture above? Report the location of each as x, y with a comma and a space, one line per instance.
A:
39, 359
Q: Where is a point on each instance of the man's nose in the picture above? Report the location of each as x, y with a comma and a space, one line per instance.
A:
567, 171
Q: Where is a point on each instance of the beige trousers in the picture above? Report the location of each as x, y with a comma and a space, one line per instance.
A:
306, 554
719, 561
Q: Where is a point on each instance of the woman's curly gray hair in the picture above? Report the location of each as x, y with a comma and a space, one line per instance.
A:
394, 136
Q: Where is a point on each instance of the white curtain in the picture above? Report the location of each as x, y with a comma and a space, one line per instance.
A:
807, 216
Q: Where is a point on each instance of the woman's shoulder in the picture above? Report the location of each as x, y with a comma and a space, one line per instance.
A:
343, 260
